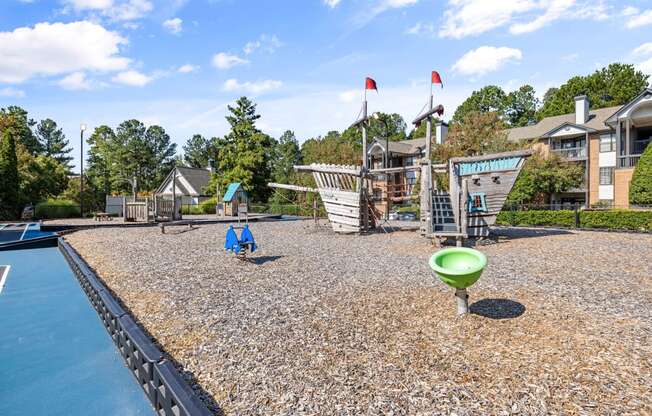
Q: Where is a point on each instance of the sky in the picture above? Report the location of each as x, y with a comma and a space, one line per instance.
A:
179, 63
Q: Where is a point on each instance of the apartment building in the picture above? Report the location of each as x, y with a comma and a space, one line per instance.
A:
606, 142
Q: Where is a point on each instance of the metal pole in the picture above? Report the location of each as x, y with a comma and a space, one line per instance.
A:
364, 134
81, 175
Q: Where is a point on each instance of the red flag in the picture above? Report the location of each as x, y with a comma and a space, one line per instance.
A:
370, 84
436, 79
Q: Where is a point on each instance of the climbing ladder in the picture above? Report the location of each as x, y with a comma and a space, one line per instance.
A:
442, 212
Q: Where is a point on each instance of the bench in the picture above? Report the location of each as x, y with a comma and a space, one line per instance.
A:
102, 216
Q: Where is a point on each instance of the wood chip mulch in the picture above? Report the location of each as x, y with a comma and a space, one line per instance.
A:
317, 323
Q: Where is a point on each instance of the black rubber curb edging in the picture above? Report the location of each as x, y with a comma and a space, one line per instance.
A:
167, 391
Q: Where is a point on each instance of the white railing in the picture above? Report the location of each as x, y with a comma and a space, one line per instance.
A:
572, 152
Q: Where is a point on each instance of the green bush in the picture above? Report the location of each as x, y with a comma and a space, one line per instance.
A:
56, 208
560, 218
640, 189
617, 219
191, 210
208, 206
605, 219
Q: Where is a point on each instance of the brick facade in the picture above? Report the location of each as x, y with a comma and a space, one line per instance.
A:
594, 168
622, 179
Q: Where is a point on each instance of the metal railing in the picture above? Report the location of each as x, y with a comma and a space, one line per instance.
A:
628, 161
572, 153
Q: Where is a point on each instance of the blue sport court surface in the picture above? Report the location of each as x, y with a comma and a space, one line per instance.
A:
56, 358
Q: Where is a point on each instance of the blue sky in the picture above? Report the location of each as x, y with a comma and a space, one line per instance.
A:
178, 63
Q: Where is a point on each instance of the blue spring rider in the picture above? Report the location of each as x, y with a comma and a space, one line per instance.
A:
240, 246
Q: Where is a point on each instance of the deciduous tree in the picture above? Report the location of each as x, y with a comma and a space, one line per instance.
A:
613, 85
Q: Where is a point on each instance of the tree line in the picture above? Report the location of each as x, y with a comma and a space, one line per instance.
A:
35, 156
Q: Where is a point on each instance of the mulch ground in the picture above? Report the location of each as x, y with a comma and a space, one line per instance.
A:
318, 323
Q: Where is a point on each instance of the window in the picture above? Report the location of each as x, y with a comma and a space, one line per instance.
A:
477, 202
606, 176
607, 142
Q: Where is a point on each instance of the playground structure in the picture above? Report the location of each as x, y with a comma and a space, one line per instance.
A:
154, 209
459, 268
478, 187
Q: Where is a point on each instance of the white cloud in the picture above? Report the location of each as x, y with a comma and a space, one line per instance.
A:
641, 19
59, 48
187, 68
80, 5
132, 78
75, 81
486, 59
120, 10
643, 50
175, 25
472, 17
268, 43
423, 29
12, 92
643, 54
349, 96
256, 87
376, 7
224, 60
630, 11
555, 10
130, 10
332, 3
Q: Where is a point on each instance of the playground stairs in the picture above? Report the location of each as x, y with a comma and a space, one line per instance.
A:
443, 216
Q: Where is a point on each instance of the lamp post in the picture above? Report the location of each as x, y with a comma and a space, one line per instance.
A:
82, 128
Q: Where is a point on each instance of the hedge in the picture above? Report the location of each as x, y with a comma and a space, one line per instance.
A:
57, 208
602, 219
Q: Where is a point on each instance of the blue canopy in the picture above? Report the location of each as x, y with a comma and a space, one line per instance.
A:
230, 191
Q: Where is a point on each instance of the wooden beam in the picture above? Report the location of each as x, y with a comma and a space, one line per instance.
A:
349, 170
292, 187
438, 109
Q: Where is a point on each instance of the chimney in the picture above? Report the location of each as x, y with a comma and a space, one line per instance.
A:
581, 109
441, 131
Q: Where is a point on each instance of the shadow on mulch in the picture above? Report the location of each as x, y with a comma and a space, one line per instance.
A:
498, 308
262, 259
515, 233
181, 230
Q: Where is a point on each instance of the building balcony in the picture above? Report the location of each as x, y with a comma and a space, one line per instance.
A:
628, 161
572, 153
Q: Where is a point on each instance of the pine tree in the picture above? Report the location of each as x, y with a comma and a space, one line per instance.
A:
53, 142
243, 155
9, 180
640, 189
163, 151
195, 152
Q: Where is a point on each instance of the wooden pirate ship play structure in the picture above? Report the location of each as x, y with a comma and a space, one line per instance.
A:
478, 185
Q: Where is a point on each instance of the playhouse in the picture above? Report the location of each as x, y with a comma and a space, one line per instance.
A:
235, 199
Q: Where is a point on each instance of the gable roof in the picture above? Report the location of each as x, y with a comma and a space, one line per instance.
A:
597, 119
197, 178
230, 191
404, 147
614, 117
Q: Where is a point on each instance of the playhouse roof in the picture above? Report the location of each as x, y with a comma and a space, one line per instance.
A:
230, 191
